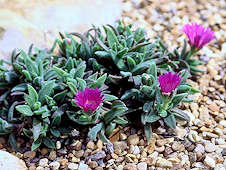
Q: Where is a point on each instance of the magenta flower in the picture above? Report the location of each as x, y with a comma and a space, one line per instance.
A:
198, 35
68, 41
89, 99
169, 82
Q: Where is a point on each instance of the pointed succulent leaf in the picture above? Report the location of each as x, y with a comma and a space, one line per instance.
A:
99, 82
59, 97
36, 131
109, 97
13, 142
111, 37
27, 75
122, 52
183, 88
178, 98
49, 143
30, 65
36, 144
130, 93
60, 72
79, 72
46, 89
55, 132
148, 131
170, 121
11, 112
118, 109
28, 133
25, 110
19, 87
120, 121
94, 131
153, 70
82, 83
41, 110
131, 63
102, 54
147, 107
180, 114
32, 96
152, 117
102, 136
141, 67
110, 128
70, 64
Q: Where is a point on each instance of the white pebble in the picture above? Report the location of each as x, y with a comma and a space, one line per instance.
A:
210, 162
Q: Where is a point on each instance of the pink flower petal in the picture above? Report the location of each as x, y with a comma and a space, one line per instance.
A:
198, 35
169, 82
89, 99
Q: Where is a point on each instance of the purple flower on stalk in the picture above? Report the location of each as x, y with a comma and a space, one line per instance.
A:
169, 82
198, 35
68, 41
89, 99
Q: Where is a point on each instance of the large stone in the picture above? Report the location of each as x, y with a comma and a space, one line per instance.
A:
11, 162
24, 22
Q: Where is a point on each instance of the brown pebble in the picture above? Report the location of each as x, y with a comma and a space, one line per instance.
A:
63, 162
99, 168
52, 155
114, 156
213, 107
93, 164
90, 145
130, 167
32, 167
99, 144
151, 161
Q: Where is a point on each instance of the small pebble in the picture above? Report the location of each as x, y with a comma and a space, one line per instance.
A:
209, 147
72, 166
43, 162
210, 162
54, 165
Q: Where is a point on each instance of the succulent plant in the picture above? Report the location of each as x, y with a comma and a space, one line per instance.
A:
105, 79
157, 102
198, 37
38, 97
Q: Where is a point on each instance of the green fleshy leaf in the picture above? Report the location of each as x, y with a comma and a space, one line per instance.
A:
148, 131
25, 110
36, 131
46, 90
178, 98
36, 144
99, 82
120, 121
13, 143
110, 128
111, 37
131, 63
94, 131
170, 121
147, 107
49, 143
109, 97
32, 96
55, 132
27, 75
19, 87
152, 117
27, 133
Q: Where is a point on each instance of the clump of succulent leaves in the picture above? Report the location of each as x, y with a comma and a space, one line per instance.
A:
37, 98
45, 95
